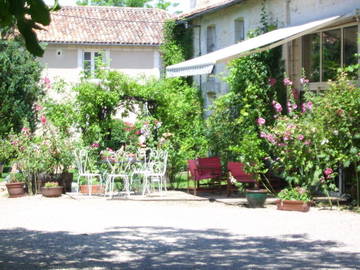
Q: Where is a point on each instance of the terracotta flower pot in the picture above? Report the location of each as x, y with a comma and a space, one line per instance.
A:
15, 189
52, 192
95, 189
256, 197
292, 205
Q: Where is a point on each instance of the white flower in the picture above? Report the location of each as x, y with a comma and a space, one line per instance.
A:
324, 141
336, 132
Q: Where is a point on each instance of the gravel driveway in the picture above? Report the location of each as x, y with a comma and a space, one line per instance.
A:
67, 233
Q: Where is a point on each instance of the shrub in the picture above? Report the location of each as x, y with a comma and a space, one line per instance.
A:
19, 87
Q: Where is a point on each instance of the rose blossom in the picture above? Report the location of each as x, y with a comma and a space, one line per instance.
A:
304, 80
43, 119
328, 171
287, 82
272, 81
260, 121
95, 145
307, 106
277, 106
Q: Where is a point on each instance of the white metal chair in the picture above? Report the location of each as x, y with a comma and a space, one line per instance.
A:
119, 169
83, 165
156, 171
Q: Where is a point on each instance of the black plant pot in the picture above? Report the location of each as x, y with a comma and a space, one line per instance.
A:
256, 197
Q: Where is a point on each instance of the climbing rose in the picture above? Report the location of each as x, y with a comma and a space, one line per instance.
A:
287, 82
43, 119
328, 171
304, 81
38, 108
260, 121
95, 145
307, 106
272, 81
277, 106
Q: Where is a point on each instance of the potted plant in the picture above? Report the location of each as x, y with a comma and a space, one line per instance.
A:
252, 155
94, 188
294, 199
16, 185
108, 154
51, 189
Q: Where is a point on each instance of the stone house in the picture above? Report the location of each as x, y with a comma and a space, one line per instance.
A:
317, 35
127, 39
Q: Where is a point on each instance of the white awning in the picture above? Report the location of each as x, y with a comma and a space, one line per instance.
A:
204, 64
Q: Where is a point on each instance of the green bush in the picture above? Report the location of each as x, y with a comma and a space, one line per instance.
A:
19, 87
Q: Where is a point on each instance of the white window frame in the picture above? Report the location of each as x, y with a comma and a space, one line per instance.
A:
213, 45
106, 55
319, 86
241, 38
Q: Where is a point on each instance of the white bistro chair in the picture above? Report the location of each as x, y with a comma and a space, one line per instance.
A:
120, 169
156, 171
83, 165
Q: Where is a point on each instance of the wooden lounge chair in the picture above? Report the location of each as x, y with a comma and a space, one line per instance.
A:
237, 173
205, 168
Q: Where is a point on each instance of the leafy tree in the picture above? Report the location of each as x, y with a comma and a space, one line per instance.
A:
19, 87
27, 15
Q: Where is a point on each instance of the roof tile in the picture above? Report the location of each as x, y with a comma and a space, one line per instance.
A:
105, 25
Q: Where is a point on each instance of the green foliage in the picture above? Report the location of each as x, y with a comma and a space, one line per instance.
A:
46, 152
19, 87
17, 177
169, 116
233, 125
51, 184
308, 146
179, 109
28, 15
297, 193
177, 45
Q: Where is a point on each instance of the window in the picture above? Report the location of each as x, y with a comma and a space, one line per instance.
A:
211, 38
325, 52
239, 30
91, 62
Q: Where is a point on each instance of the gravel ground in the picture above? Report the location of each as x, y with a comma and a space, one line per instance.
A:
68, 233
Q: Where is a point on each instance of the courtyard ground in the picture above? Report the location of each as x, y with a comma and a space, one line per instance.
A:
184, 232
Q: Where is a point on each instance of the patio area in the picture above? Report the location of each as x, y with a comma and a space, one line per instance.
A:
179, 231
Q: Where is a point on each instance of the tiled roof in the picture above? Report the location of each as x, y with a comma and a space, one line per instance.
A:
208, 9
105, 25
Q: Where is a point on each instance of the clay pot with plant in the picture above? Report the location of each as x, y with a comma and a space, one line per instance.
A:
51, 190
16, 185
294, 199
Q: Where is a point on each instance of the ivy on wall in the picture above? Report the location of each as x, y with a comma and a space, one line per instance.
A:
178, 43
254, 81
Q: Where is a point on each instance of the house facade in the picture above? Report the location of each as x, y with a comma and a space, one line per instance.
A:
219, 24
126, 39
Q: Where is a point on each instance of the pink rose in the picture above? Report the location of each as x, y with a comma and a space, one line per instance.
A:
328, 171
300, 137
277, 106
260, 121
43, 119
304, 81
272, 81
287, 82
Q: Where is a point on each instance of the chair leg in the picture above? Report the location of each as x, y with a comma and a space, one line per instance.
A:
78, 183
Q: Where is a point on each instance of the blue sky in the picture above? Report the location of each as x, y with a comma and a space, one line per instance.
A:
183, 4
